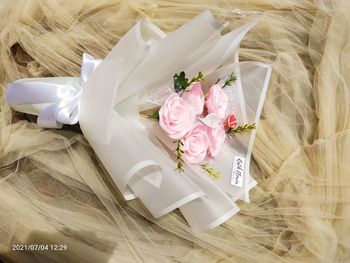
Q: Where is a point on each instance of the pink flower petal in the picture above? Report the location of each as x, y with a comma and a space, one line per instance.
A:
195, 98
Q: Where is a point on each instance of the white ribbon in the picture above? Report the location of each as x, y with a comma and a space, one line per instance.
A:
107, 97
58, 99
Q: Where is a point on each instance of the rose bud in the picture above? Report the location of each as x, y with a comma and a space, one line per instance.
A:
231, 121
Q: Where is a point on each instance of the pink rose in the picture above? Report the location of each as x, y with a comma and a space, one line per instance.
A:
216, 139
195, 98
176, 117
196, 144
216, 101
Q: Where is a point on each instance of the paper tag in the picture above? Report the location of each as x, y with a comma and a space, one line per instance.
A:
238, 171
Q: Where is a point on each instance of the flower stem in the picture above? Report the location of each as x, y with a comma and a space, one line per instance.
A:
242, 128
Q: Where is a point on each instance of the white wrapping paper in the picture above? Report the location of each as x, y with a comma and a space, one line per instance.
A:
113, 90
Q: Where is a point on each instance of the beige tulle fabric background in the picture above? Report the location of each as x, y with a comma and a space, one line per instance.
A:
53, 190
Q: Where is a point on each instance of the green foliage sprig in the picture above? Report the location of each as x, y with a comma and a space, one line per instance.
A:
242, 128
154, 115
210, 170
179, 152
181, 83
230, 80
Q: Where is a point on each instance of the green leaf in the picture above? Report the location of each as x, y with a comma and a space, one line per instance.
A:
210, 170
230, 80
242, 128
180, 82
179, 152
199, 77
154, 115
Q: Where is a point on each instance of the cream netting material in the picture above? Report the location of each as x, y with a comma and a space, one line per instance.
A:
53, 190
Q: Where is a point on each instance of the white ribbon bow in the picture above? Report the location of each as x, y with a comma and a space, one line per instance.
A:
57, 98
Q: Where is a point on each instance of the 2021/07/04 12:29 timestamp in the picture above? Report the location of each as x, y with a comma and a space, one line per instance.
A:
43, 247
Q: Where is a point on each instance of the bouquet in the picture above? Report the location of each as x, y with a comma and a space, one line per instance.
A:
189, 152
198, 123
